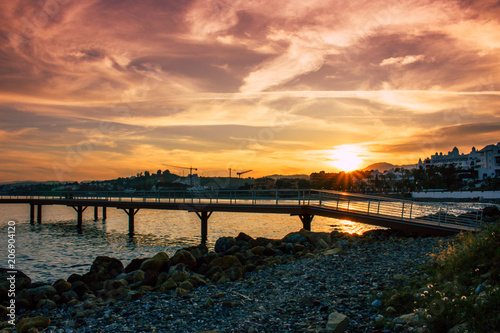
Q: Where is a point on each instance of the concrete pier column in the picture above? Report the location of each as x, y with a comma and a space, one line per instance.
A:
96, 213
306, 221
131, 219
39, 214
104, 213
79, 215
204, 224
32, 213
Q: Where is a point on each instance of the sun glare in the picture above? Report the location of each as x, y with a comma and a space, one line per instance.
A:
346, 158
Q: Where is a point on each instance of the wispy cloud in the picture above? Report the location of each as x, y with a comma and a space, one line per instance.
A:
253, 83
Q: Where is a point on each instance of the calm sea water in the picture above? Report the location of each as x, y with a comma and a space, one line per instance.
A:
55, 249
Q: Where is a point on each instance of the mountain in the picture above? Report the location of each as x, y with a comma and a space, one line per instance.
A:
381, 166
288, 176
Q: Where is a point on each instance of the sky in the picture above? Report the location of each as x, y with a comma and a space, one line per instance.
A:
95, 90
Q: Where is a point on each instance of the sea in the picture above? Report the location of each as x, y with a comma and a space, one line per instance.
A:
55, 249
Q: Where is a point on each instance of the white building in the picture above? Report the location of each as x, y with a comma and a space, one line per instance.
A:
464, 161
489, 166
486, 161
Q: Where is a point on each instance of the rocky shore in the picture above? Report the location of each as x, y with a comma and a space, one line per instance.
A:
305, 282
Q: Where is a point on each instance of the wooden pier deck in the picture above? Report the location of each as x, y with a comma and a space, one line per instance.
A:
425, 218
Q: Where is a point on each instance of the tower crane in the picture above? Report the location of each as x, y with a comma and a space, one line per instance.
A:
242, 172
190, 171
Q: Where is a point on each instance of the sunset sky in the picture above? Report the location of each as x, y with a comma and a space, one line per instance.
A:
103, 89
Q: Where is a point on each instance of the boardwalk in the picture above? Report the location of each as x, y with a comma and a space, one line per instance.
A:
425, 218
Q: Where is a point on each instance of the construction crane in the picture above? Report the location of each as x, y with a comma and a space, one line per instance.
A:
190, 171
242, 172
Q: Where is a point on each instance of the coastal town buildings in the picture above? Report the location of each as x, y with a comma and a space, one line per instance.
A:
486, 161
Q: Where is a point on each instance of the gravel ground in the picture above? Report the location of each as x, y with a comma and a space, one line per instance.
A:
292, 297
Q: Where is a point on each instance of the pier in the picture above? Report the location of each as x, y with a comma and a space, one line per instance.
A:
406, 215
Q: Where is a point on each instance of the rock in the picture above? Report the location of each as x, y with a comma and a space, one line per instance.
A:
298, 247
43, 292
376, 303
460, 328
223, 244
27, 323
139, 276
333, 252
269, 250
337, 323
134, 265
234, 273
183, 257
21, 281
158, 263
105, 268
244, 237
225, 262
315, 237
45, 303
212, 271
391, 310
180, 292
257, 250
410, 318
80, 288
133, 296
178, 273
168, 285
322, 244
294, 237
150, 277
186, 285
62, 286
480, 288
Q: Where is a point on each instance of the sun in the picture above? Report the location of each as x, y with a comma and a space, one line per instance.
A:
346, 158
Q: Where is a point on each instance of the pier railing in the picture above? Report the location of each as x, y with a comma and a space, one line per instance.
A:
394, 209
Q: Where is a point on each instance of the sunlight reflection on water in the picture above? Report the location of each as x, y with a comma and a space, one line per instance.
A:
55, 249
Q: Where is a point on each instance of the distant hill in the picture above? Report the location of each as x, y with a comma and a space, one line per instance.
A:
381, 166
288, 176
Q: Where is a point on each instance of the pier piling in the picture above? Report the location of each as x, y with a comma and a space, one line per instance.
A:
306, 221
39, 214
204, 224
32, 213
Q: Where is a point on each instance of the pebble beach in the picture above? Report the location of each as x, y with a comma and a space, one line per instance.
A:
283, 293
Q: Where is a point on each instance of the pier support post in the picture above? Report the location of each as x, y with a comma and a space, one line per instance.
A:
32, 213
306, 221
96, 213
204, 224
79, 215
131, 214
39, 214
104, 213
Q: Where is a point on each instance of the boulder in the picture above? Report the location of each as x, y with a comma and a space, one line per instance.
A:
224, 243
25, 324
257, 250
178, 273
21, 281
42, 292
337, 323
105, 268
168, 285
244, 238
80, 288
62, 286
294, 237
183, 257
261, 241
234, 273
45, 303
139, 276
315, 237
134, 265
225, 262
158, 263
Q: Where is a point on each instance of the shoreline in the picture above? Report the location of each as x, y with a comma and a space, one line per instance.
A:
321, 273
